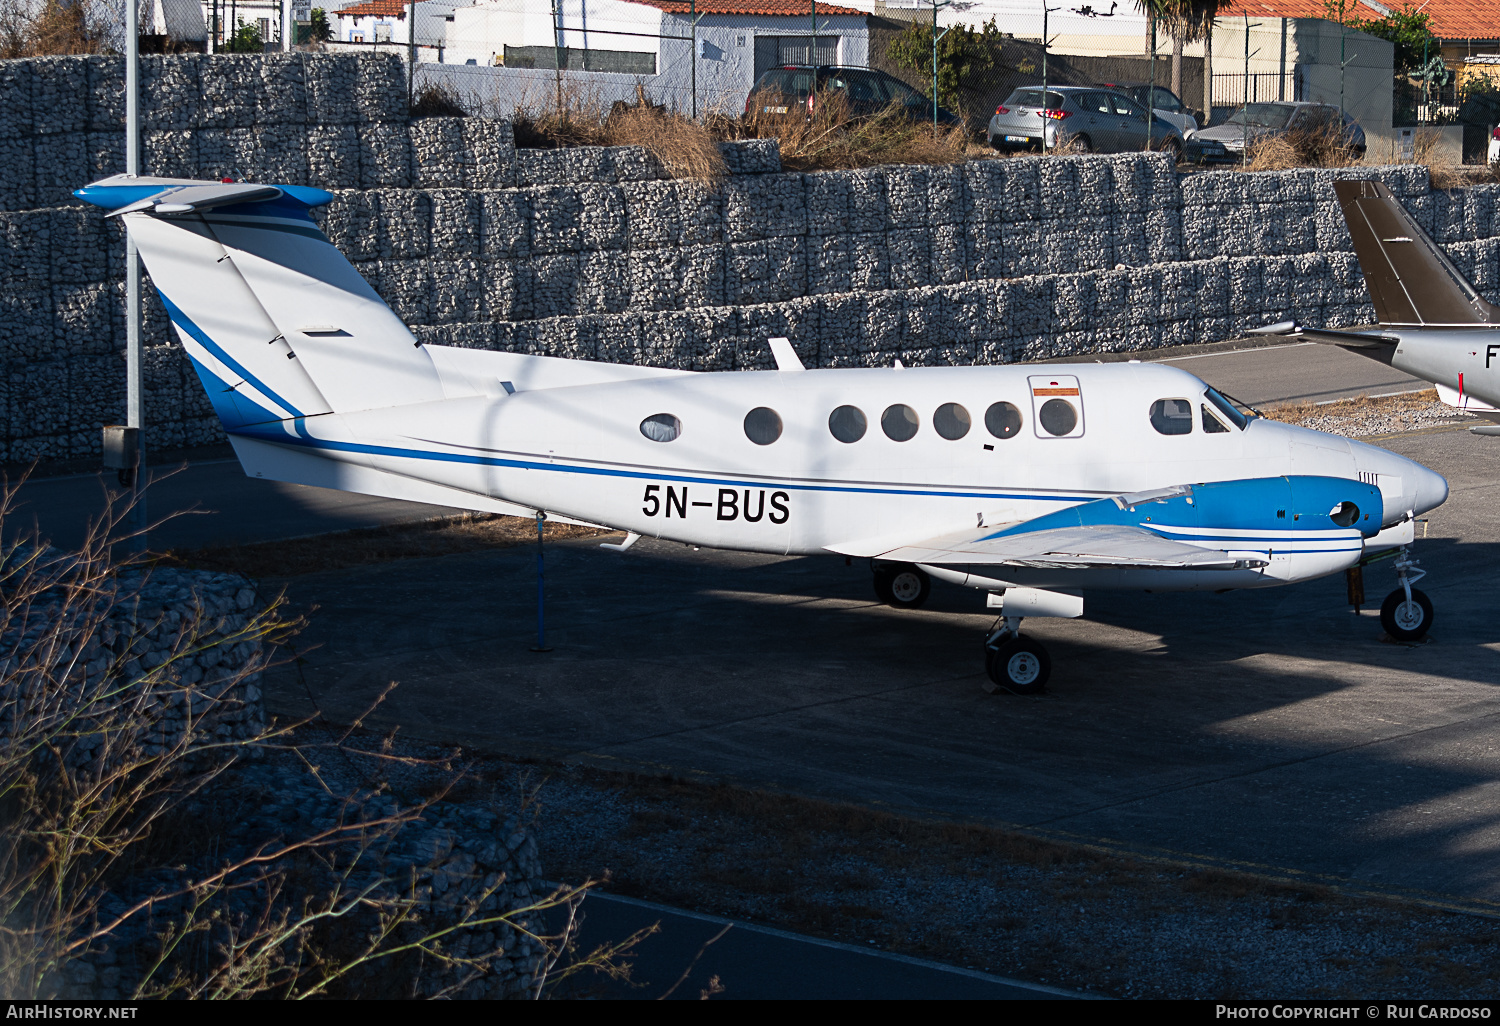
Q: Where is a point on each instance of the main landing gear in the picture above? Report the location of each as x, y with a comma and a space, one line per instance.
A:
1013, 662
902, 585
1406, 613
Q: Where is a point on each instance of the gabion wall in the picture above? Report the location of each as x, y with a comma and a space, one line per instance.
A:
594, 253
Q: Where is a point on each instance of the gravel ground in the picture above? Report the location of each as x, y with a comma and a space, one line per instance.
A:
1364, 416
968, 894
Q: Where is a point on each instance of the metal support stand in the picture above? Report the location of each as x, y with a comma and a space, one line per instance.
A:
541, 589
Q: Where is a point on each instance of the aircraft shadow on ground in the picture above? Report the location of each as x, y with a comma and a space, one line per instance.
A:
1257, 726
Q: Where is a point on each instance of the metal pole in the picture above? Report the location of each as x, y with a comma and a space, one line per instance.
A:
1151, 90
693, 22
135, 406
411, 57
213, 32
934, 66
541, 589
557, 50
1045, 10
1245, 121
1342, 35
812, 57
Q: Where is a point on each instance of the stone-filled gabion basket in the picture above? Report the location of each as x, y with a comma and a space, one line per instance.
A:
167, 665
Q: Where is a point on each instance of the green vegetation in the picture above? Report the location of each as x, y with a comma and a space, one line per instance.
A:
963, 55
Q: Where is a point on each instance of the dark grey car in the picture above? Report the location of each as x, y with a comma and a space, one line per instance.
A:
1077, 119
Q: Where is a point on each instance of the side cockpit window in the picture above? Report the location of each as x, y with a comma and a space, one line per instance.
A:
1172, 416
1212, 425
1231, 412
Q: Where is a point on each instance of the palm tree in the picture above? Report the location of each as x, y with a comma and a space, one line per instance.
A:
1187, 21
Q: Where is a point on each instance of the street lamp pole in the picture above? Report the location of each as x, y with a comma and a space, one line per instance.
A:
135, 406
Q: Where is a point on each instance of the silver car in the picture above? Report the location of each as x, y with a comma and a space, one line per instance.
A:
1078, 119
1256, 121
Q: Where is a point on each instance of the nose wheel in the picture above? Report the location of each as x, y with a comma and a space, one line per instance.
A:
1013, 662
1406, 613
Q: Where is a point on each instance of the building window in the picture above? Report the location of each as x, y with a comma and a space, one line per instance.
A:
628, 62
382, 32
778, 51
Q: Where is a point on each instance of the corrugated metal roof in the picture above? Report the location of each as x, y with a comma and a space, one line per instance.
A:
1451, 19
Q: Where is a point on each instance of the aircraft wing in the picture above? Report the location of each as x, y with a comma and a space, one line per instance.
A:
1110, 546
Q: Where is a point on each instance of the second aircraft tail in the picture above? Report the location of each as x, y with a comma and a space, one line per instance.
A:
1412, 282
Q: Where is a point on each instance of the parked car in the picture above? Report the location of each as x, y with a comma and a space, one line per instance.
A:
865, 90
1494, 154
1167, 104
1257, 121
1078, 119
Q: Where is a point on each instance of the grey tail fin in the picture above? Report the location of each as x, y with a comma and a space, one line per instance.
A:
1411, 281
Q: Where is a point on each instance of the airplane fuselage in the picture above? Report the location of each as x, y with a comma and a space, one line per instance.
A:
583, 451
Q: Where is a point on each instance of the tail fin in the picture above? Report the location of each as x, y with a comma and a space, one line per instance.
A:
1411, 281
277, 322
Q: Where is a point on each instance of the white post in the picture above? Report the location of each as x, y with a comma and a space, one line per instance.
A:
135, 409
286, 26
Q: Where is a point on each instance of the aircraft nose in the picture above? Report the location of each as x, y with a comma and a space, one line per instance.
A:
1428, 486
1405, 485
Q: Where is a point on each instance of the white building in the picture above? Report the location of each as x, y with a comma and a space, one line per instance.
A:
387, 21
653, 42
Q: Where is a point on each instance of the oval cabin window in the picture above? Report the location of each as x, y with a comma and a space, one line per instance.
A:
1172, 416
1002, 420
951, 421
847, 423
762, 425
899, 422
661, 427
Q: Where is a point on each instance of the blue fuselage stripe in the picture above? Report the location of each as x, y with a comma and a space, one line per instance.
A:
185, 322
307, 441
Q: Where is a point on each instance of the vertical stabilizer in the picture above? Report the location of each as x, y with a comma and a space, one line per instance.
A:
1411, 281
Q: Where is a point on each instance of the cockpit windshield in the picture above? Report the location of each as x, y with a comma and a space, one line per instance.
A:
1238, 417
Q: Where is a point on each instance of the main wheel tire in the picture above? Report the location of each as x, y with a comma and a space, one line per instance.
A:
1019, 665
1403, 620
905, 587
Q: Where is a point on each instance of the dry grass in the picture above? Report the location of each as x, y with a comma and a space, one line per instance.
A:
1298, 412
1321, 147
831, 138
577, 117
49, 28
444, 536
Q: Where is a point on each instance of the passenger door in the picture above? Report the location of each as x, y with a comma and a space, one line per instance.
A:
1132, 122
1099, 121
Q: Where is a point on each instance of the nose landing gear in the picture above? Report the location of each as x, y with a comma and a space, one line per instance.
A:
1406, 613
1014, 663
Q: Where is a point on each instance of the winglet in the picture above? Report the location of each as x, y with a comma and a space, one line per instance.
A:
786, 356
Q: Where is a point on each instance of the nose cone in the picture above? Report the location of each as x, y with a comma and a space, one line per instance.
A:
1430, 487
1405, 485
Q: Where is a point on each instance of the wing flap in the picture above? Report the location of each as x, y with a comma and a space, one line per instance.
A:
1070, 548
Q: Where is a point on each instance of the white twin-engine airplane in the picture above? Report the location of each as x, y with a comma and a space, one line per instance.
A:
1031, 483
